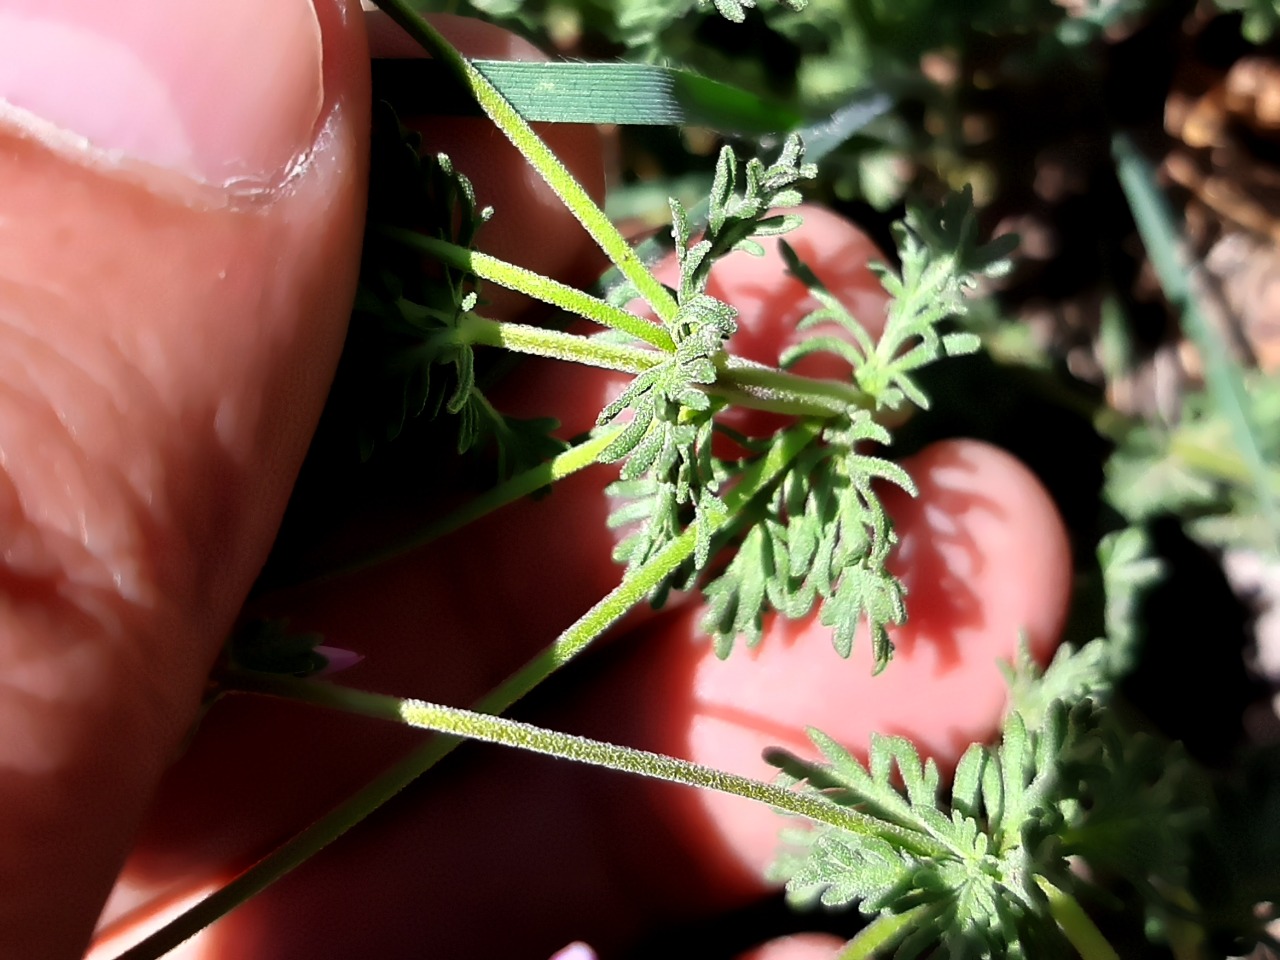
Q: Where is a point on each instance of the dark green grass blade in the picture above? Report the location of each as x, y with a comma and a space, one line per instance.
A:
624, 93
846, 121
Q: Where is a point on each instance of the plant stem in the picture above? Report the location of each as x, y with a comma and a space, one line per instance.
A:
457, 723
740, 382
534, 285
540, 157
521, 485
768, 388
762, 388
635, 586
881, 933
1075, 924
541, 342
640, 584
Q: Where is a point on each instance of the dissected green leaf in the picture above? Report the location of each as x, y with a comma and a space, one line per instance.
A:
830, 524
971, 868
670, 476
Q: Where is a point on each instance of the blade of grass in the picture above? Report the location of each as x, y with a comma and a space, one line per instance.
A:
846, 121
1160, 234
640, 94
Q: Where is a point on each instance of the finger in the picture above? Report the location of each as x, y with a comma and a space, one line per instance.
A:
576, 951
804, 946
457, 638
178, 241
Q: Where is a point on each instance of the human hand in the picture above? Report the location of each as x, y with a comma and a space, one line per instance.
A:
550, 853
178, 246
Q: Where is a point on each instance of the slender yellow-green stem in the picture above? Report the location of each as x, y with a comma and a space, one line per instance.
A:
460, 724
1075, 924
741, 383
635, 586
534, 285
541, 342
882, 933
767, 388
540, 157
521, 485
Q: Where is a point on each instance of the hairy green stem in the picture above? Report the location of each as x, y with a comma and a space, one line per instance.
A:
638, 585
742, 383
534, 285
458, 723
635, 586
1075, 924
764, 389
767, 388
882, 933
314, 838
540, 342
540, 157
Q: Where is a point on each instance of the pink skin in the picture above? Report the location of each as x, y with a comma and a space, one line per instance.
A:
808, 946
173, 301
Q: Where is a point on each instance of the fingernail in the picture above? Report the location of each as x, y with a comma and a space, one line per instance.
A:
221, 92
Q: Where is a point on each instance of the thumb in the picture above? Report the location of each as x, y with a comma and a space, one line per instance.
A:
179, 230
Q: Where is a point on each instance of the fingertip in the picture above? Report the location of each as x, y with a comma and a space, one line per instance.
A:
575, 951
171, 323
801, 946
982, 548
